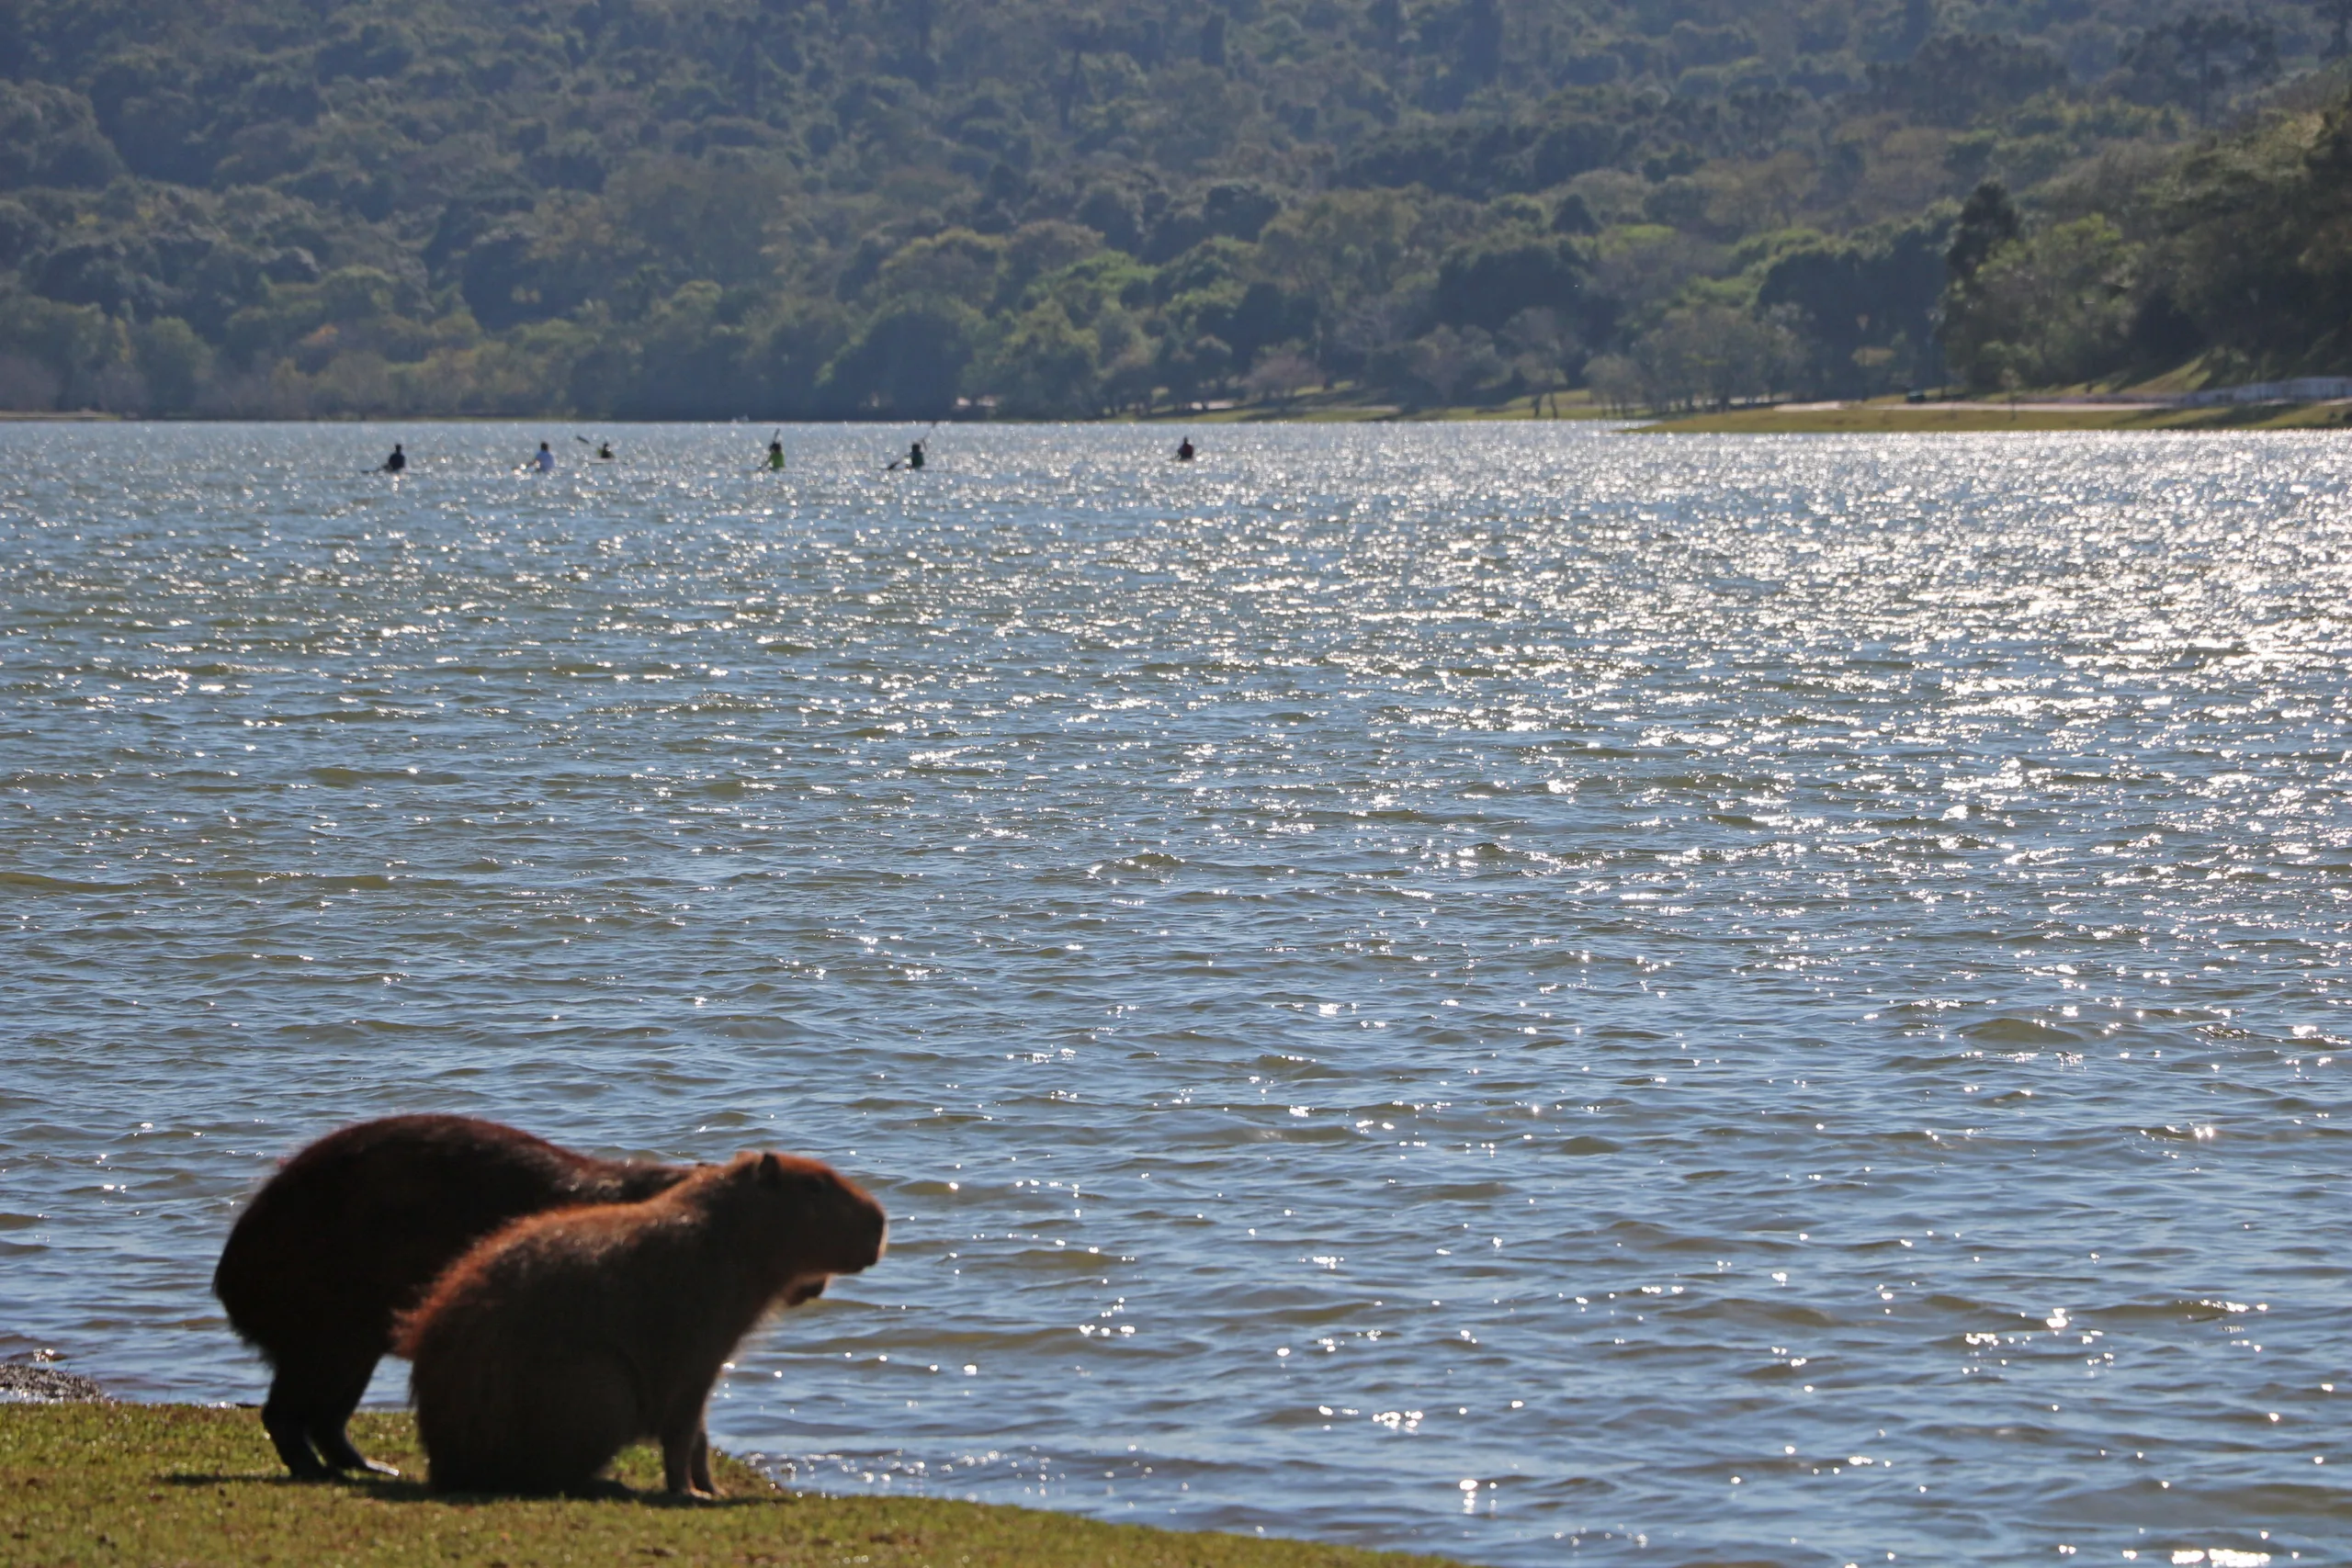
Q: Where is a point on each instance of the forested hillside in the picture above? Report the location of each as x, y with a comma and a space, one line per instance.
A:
893, 208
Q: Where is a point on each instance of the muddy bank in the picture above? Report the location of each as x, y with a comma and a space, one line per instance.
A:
30, 1380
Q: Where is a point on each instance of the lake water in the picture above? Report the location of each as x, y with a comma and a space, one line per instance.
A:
1514, 990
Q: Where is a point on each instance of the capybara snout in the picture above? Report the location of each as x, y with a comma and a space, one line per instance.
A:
843, 1225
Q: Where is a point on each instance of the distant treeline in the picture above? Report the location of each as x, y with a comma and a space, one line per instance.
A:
847, 208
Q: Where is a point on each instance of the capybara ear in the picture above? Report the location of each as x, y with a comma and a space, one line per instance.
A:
771, 1171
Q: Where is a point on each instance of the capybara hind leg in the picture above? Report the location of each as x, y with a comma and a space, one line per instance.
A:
339, 1453
286, 1417
574, 1418
702, 1461
335, 1443
335, 1396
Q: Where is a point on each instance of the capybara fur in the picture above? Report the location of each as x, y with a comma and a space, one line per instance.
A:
352, 1230
556, 1343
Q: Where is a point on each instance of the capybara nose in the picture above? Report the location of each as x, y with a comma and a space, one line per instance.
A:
873, 1228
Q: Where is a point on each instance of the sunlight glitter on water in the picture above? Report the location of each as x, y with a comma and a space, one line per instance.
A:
1777, 999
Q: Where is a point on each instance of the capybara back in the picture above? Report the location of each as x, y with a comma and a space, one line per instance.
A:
564, 1337
352, 1230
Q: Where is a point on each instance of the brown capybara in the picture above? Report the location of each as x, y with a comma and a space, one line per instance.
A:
350, 1232
556, 1343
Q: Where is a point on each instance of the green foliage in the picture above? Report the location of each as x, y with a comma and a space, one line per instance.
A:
2240, 251
1486, 282
1044, 366
1959, 79
2053, 306
907, 361
2255, 242
1863, 309
1708, 355
870, 208
48, 136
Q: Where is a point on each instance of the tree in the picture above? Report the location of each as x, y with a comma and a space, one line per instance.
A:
48, 136
2201, 56
1987, 222
1542, 349
1280, 374
1453, 367
1482, 41
2054, 307
1865, 308
2337, 14
1487, 282
1712, 355
1616, 382
1043, 367
908, 361
2255, 243
174, 362
1959, 78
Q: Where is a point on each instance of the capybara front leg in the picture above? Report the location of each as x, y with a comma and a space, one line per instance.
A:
686, 1456
286, 1419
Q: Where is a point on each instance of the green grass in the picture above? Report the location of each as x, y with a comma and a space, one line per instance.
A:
1889, 417
170, 1483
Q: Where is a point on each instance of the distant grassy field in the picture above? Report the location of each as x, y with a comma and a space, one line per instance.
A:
1887, 417
163, 1484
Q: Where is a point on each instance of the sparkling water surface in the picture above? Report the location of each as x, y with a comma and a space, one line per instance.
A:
1520, 991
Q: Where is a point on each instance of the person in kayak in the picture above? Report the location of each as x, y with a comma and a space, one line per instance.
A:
545, 461
397, 463
914, 456
604, 452
776, 454
1185, 450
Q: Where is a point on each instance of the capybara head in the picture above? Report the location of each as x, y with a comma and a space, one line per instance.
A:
812, 1211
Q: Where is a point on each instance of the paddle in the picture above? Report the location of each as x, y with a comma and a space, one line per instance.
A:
898, 463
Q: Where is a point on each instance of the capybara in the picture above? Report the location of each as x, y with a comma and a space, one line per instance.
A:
350, 1232
553, 1345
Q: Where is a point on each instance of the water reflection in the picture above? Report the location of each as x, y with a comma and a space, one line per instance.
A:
1491, 989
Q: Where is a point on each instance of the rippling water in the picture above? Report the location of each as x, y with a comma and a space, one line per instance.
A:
1514, 990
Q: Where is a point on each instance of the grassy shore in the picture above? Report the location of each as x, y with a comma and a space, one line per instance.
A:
1884, 418
172, 1483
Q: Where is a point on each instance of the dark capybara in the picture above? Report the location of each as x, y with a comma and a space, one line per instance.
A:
556, 1343
352, 1230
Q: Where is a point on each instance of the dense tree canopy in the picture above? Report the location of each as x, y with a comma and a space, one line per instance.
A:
1053, 207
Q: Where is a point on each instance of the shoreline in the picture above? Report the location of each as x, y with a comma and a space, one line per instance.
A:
1881, 417
90, 1480
1888, 418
